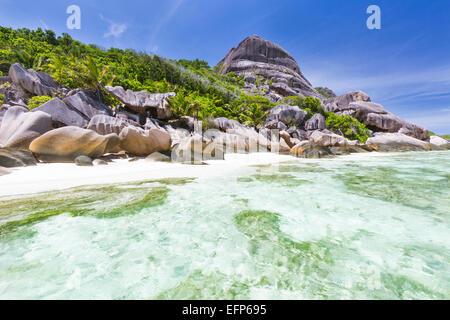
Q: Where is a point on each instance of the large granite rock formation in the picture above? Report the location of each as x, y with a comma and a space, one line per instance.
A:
255, 57
35, 82
358, 104
87, 105
156, 104
62, 114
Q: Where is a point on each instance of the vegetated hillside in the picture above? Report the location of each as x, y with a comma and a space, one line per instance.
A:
76, 65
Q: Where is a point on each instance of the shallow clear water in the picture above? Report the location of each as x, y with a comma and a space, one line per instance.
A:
358, 227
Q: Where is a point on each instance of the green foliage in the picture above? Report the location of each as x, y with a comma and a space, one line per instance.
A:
254, 115
322, 92
2, 97
312, 106
37, 101
347, 126
445, 136
294, 101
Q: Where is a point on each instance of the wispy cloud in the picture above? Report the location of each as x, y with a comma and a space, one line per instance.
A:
114, 29
162, 22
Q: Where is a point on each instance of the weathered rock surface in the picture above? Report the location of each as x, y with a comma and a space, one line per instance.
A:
258, 57
143, 143
104, 125
62, 114
86, 105
36, 82
289, 115
157, 104
439, 142
11, 158
327, 140
317, 122
67, 143
306, 149
358, 105
19, 128
393, 142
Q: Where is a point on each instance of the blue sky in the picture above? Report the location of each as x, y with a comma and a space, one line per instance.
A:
405, 66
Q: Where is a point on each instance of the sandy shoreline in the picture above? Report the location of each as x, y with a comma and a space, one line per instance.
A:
58, 176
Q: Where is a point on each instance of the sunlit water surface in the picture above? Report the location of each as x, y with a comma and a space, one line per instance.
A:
358, 227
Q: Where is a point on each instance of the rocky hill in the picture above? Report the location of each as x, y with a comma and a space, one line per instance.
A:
268, 69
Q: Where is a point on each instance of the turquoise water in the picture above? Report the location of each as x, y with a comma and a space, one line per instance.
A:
359, 227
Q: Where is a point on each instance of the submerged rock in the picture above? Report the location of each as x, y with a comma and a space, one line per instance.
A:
19, 128
67, 143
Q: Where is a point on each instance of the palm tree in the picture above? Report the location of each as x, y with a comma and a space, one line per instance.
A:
254, 116
95, 77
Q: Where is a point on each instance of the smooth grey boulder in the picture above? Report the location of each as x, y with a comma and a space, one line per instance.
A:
439, 142
67, 143
158, 157
62, 114
11, 158
289, 115
394, 142
327, 140
224, 124
86, 105
306, 149
317, 122
38, 83
275, 124
83, 161
140, 142
19, 128
157, 104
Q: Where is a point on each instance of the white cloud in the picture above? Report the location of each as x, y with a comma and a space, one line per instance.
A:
114, 29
